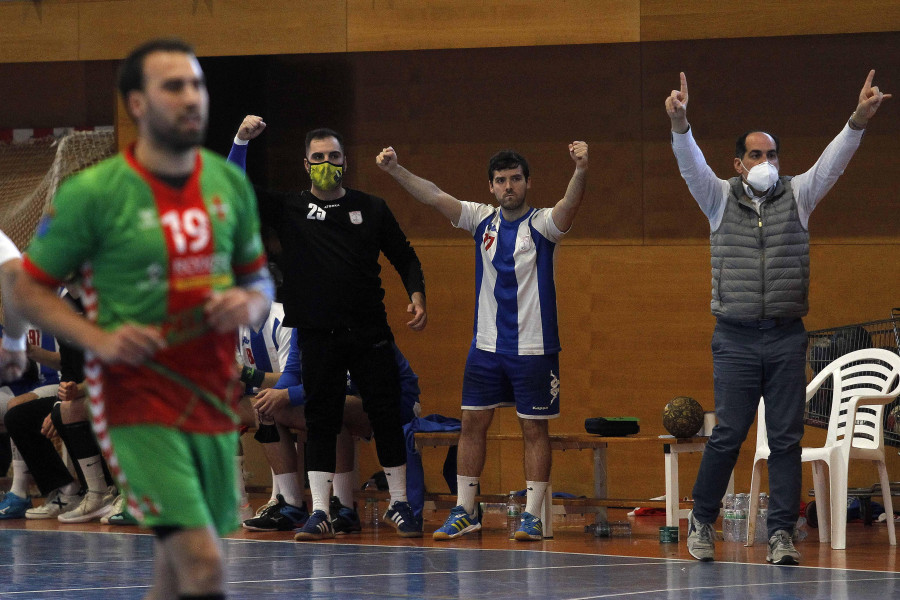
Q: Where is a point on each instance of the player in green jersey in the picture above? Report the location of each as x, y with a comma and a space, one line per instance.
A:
166, 236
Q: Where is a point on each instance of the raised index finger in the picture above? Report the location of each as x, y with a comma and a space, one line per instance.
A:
868, 84
684, 88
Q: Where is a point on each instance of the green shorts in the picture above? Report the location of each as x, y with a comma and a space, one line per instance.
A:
178, 479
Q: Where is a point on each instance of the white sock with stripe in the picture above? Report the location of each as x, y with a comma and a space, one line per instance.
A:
466, 488
320, 489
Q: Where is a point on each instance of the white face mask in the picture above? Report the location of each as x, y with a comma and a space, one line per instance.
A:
762, 176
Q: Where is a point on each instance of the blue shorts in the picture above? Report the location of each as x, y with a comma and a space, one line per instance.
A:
530, 383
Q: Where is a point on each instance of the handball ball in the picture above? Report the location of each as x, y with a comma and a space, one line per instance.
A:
683, 417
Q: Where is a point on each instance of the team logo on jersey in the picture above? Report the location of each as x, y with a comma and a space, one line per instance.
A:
355, 217
525, 243
219, 208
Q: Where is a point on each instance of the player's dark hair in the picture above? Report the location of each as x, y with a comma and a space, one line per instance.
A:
740, 147
507, 159
131, 71
321, 133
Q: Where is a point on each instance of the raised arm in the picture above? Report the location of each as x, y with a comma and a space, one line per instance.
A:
564, 212
250, 128
421, 189
708, 190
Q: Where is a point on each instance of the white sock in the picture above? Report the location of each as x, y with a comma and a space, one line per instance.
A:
534, 496
344, 484
396, 477
289, 488
92, 467
320, 489
466, 487
21, 475
275, 487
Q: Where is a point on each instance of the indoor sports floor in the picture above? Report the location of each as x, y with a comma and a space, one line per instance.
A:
41, 560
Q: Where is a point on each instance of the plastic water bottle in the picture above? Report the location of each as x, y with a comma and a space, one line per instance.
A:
728, 519
762, 518
371, 512
741, 503
513, 514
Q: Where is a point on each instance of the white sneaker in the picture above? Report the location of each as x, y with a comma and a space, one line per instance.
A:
55, 504
118, 506
94, 505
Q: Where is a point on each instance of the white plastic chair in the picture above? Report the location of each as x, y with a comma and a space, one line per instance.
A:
864, 381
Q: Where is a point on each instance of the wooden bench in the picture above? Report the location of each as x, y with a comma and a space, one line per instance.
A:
671, 447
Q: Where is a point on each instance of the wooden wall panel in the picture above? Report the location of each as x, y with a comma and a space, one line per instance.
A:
697, 19
56, 30
38, 31
56, 94
216, 28
416, 25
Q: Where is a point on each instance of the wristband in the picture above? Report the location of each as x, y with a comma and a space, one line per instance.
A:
239, 142
252, 377
14, 344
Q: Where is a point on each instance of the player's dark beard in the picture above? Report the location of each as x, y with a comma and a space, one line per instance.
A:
175, 139
180, 141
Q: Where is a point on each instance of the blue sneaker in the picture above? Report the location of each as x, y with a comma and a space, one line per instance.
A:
458, 523
317, 527
530, 530
14, 507
400, 516
281, 516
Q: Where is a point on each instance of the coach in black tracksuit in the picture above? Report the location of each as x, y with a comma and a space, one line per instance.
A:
331, 238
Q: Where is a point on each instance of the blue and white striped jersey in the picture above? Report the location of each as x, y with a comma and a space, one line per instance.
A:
515, 310
267, 349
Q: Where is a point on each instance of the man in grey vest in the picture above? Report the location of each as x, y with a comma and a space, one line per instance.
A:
759, 242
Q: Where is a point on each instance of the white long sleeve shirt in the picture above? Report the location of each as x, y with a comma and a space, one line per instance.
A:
711, 193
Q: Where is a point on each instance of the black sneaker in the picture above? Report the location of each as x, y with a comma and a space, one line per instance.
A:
347, 521
400, 515
281, 516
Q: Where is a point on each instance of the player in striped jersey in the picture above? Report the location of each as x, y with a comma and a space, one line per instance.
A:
514, 358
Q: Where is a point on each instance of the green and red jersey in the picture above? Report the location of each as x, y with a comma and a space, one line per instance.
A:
155, 254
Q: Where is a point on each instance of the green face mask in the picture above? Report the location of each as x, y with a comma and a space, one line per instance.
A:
325, 175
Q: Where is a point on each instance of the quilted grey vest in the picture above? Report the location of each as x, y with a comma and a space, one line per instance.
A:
760, 262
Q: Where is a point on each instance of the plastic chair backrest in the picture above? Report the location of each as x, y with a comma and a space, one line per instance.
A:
867, 372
